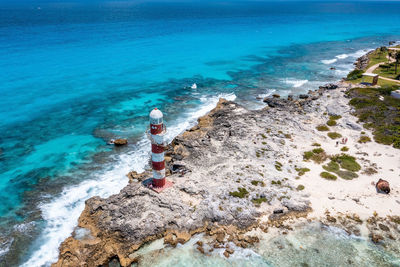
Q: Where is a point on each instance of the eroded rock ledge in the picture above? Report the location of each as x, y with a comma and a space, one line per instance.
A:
236, 170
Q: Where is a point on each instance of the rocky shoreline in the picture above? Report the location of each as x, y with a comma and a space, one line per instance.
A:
237, 172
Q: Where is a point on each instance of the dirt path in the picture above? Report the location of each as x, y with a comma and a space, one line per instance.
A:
374, 67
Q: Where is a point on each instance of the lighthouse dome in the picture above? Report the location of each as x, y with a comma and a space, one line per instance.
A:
156, 116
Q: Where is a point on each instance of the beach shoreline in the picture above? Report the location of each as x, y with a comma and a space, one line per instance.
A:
262, 152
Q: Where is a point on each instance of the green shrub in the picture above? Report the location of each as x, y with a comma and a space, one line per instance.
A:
345, 149
331, 123
300, 187
318, 155
316, 144
328, 176
354, 75
331, 167
241, 193
322, 128
347, 175
334, 135
347, 162
255, 183
335, 117
302, 171
258, 201
364, 139
276, 182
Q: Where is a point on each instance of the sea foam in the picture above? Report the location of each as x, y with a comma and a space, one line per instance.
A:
61, 214
295, 83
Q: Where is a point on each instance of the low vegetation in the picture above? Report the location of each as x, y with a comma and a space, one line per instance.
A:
241, 193
347, 162
300, 187
258, 201
354, 75
316, 144
256, 183
334, 135
302, 171
344, 149
381, 116
322, 128
278, 166
317, 155
331, 123
364, 139
328, 176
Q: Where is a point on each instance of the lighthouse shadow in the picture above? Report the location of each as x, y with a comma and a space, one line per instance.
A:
148, 182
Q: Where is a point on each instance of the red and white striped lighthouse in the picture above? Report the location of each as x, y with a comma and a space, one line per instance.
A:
157, 132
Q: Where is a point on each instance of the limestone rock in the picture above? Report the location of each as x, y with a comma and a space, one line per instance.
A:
382, 186
120, 142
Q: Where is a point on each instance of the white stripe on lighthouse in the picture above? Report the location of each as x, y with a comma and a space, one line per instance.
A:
157, 157
159, 174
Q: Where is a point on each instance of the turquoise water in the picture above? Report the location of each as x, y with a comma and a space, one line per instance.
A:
75, 75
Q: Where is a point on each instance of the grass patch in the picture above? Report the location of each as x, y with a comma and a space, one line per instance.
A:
381, 116
347, 162
328, 176
276, 182
256, 183
331, 123
331, 167
322, 128
241, 193
334, 135
354, 75
300, 187
278, 166
317, 155
364, 139
258, 201
335, 117
302, 171
316, 144
344, 149
347, 175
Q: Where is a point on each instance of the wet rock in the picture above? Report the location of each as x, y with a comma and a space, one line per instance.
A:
382, 186
332, 68
226, 254
376, 238
201, 249
329, 86
303, 96
229, 250
276, 96
120, 142
278, 211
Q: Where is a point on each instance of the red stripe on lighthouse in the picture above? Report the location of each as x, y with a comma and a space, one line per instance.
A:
157, 148
156, 128
158, 182
158, 166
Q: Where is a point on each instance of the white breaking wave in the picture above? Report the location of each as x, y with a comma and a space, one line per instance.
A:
342, 56
295, 83
329, 61
268, 93
62, 213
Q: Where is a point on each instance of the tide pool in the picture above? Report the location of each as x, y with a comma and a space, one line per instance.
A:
75, 75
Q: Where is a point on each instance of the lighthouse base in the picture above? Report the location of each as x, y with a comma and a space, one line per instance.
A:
149, 184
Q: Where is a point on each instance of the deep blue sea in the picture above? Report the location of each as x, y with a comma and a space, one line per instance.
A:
73, 75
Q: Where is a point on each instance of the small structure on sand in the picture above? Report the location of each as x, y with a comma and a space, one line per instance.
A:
156, 136
374, 76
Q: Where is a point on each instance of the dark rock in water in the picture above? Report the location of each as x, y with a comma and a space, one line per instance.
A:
278, 211
392, 42
276, 96
332, 68
276, 102
376, 238
329, 86
303, 96
120, 142
382, 186
290, 97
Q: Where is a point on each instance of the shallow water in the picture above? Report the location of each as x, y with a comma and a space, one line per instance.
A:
308, 245
74, 76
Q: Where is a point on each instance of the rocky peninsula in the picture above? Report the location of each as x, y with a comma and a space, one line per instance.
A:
241, 172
